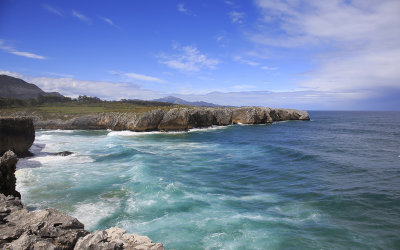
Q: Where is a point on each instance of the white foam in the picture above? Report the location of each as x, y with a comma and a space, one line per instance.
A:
255, 197
43, 137
91, 213
131, 133
208, 128
46, 159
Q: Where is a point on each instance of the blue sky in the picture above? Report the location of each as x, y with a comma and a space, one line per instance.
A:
299, 54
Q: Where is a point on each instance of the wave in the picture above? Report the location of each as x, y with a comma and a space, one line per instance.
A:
134, 133
48, 159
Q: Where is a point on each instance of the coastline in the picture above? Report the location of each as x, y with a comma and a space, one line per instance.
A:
175, 119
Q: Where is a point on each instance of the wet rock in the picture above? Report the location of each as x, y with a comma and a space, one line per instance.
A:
63, 153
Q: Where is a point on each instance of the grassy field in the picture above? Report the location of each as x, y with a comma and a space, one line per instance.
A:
68, 110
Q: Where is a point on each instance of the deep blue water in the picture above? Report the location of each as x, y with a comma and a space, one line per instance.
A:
330, 183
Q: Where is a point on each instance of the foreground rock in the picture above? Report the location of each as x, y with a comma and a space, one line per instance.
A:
50, 229
176, 119
8, 163
16, 134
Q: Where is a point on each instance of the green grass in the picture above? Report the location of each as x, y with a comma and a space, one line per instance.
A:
69, 110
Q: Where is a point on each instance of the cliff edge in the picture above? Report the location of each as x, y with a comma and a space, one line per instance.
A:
16, 134
175, 119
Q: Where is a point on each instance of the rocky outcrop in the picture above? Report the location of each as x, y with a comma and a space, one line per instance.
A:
176, 119
50, 229
16, 134
8, 163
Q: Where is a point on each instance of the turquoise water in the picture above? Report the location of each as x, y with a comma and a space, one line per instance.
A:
330, 183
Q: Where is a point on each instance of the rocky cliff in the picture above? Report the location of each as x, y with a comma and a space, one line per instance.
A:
16, 134
8, 164
50, 229
174, 119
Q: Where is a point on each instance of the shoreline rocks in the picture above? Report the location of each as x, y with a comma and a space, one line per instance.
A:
176, 119
16, 134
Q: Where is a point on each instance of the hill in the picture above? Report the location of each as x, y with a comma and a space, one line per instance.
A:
11, 87
176, 100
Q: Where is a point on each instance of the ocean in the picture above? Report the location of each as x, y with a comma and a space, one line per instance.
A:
329, 183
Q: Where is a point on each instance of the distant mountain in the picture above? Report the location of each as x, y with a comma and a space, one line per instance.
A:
11, 87
176, 100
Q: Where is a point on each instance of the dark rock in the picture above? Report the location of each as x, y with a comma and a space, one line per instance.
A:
8, 164
16, 134
63, 153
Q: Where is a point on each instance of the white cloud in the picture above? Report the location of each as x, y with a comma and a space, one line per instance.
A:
102, 89
286, 99
58, 74
109, 21
52, 9
237, 17
81, 16
245, 61
141, 77
12, 50
181, 8
268, 68
355, 44
189, 59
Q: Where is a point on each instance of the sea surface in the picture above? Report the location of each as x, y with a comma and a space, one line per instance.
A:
329, 183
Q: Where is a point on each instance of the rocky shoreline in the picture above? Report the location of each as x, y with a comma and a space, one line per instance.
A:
50, 229
175, 119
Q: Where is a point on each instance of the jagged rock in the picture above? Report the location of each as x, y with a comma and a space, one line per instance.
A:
50, 229
63, 153
175, 119
118, 235
16, 134
149, 121
116, 238
47, 229
8, 163
97, 241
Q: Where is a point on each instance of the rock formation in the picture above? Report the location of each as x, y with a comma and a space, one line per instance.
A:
8, 163
16, 134
176, 119
50, 229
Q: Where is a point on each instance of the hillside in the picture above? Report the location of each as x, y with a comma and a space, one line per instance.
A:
176, 100
11, 87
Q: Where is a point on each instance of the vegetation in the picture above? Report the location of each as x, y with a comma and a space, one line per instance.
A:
65, 107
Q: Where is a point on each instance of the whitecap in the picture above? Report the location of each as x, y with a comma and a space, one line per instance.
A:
43, 137
47, 159
130, 133
92, 213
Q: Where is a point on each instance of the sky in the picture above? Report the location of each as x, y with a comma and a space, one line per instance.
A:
310, 54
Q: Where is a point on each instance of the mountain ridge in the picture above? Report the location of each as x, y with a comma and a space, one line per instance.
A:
12, 87
176, 100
